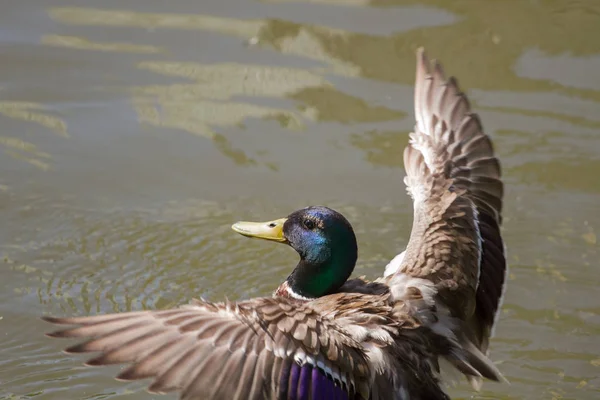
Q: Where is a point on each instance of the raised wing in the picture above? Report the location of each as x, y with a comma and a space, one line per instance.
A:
454, 180
259, 349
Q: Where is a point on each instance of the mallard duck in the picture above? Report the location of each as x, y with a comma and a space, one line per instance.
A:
322, 336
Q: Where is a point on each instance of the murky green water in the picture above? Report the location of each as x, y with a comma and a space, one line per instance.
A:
134, 132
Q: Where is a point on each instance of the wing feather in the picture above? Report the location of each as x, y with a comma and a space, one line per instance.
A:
455, 181
253, 349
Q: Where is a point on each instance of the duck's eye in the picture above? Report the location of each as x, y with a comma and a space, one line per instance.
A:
309, 224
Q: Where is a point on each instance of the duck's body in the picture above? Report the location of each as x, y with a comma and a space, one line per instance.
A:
340, 346
322, 337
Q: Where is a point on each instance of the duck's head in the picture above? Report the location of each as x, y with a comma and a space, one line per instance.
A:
325, 241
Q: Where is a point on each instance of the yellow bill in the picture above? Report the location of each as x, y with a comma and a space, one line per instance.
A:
271, 230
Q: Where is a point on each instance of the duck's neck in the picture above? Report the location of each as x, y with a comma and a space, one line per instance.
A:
312, 280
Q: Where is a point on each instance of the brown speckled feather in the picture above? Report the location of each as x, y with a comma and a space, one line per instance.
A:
220, 351
372, 347
454, 180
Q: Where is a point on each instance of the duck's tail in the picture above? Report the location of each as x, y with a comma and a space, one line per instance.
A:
445, 333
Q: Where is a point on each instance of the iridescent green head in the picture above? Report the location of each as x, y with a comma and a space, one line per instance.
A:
323, 238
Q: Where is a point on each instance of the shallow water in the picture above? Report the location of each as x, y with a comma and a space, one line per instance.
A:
133, 133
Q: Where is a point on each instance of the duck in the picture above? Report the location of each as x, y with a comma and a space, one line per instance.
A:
323, 335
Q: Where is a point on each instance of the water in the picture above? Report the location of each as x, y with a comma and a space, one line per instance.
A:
134, 132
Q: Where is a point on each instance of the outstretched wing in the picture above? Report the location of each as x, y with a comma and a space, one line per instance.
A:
259, 349
454, 180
